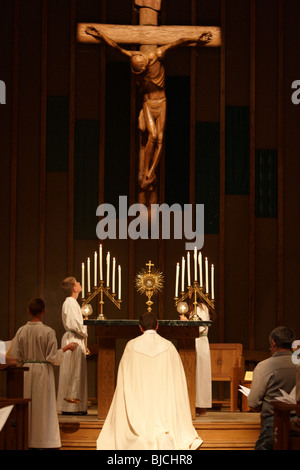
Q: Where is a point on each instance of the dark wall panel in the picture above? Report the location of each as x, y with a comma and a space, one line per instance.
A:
177, 169
86, 179
117, 132
237, 269
207, 173
6, 75
57, 133
237, 150
266, 183
291, 113
28, 165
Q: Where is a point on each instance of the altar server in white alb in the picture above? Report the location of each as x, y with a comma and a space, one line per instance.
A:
35, 347
72, 395
150, 409
203, 362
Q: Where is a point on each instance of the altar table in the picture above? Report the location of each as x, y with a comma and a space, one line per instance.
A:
108, 331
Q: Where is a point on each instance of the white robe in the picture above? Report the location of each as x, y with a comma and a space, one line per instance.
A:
150, 409
37, 342
73, 372
203, 362
2, 352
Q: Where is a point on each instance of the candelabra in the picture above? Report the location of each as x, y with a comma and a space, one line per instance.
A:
193, 288
100, 289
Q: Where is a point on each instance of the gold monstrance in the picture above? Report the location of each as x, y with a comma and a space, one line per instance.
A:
149, 283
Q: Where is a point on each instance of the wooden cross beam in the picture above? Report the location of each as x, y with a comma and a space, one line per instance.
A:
159, 35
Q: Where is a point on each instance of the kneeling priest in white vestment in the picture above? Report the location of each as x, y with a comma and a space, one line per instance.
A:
150, 409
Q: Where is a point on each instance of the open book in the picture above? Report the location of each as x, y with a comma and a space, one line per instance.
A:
4, 414
285, 397
289, 398
244, 390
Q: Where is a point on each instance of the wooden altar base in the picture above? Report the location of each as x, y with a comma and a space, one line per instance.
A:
220, 430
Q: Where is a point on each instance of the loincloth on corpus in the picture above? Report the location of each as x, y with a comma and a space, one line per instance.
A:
155, 107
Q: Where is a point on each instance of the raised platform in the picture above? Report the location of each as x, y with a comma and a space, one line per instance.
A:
220, 430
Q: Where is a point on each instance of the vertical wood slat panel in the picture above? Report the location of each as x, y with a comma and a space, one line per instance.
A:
252, 179
192, 107
280, 167
133, 88
162, 179
102, 108
70, 237
102, 111
42, 195
132, 177
221, 274
131, 251
192, 137
161, 242
13, 176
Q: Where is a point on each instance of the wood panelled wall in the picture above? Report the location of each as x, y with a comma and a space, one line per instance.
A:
256, 258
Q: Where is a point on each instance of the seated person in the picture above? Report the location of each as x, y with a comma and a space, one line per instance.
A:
150, 409
269, 376
295, 421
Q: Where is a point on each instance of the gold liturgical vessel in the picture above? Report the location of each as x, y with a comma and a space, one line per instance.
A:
149, 282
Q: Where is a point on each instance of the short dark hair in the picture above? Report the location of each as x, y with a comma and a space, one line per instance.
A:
36, 306
148, 321
283, 337
67, 285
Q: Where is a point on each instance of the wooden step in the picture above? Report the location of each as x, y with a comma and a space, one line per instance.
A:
219, 431
221, 436
81, 435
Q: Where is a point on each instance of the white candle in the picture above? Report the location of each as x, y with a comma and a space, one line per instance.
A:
188, 269
113, 289
82, 280
119, 282
195, 264
177, 280
100, 263
182, 273
212, 282
206, 276
95, 268
107, 268
88, 275
200, 269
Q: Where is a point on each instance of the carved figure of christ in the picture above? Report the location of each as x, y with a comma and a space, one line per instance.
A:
147, 65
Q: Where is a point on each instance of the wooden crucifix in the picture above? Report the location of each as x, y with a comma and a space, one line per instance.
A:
147, 66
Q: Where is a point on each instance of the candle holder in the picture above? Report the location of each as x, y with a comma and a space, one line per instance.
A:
101, 289
194, 288
149, 283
